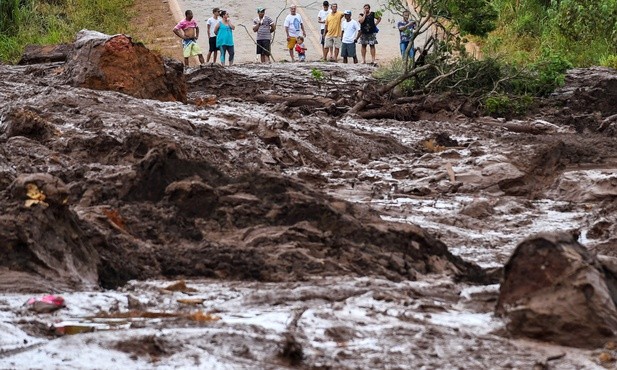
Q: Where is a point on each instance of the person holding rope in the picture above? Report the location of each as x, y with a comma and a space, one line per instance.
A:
264, 26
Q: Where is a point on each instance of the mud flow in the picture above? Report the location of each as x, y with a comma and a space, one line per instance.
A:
240, 218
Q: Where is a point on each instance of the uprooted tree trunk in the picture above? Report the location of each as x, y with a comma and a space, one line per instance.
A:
364, 101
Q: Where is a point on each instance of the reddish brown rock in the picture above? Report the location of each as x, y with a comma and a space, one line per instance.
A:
104, 62
555, 290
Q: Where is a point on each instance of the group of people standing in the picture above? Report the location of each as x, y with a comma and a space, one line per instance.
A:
339, 34
220, 37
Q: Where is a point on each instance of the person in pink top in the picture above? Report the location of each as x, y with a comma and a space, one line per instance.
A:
188, 31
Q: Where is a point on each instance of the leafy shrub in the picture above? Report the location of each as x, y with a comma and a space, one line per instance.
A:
507, 106
317, 74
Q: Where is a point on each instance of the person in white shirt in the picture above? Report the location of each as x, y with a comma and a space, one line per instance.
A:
293, 28
350, 28
211, 23
321, 19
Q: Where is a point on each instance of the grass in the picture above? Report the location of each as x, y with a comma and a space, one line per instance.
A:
51, 22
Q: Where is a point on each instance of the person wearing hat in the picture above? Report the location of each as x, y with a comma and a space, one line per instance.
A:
264, 26
321, 19
350, 29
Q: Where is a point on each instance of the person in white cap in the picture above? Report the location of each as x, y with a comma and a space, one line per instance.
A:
350, 28
264, 26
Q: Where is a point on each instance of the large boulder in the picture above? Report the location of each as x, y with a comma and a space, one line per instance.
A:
556, 290
116, 63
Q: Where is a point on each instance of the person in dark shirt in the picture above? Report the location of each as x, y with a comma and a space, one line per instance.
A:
368, 31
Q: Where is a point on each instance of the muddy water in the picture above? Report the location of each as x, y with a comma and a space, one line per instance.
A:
458, 187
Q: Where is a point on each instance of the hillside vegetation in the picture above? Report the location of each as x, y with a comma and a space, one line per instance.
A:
24, 22
583, 32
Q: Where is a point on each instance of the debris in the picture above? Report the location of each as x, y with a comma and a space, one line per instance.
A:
73, 329
134, 303
179, 286
203, 317
450, 172
35, 196
46, 304
191, 301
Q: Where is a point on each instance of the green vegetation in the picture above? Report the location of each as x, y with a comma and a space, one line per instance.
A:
583, 32
317, 74
24, 22
526, 47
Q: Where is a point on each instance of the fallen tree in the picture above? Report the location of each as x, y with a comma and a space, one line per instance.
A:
435, 40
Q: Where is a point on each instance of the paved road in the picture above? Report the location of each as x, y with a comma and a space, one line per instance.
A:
243, 12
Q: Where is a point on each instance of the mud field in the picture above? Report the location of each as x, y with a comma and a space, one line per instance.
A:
260, 226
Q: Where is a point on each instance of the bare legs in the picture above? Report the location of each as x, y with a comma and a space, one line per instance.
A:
373, 52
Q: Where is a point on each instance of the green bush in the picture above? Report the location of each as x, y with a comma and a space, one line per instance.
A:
507, 106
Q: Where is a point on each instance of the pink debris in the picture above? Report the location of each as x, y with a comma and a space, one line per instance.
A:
46, 304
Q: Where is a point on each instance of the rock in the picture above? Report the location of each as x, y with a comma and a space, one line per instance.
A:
35, 54
478, 209
116, 63
555, 290
586, 185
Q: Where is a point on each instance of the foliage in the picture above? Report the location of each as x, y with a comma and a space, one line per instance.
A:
9, 12
475, 17
609, 61
507, 106
580, 31
317, 74
390, 71
56, 21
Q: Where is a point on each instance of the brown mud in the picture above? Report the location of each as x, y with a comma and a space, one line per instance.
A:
262, 177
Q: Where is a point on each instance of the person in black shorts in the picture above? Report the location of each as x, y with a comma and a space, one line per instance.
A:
264, 26
211, 23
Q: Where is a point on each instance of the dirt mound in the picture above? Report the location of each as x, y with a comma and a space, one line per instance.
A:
42, 237
586, 101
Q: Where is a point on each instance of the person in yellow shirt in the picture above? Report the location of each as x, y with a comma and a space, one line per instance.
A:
333, 33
